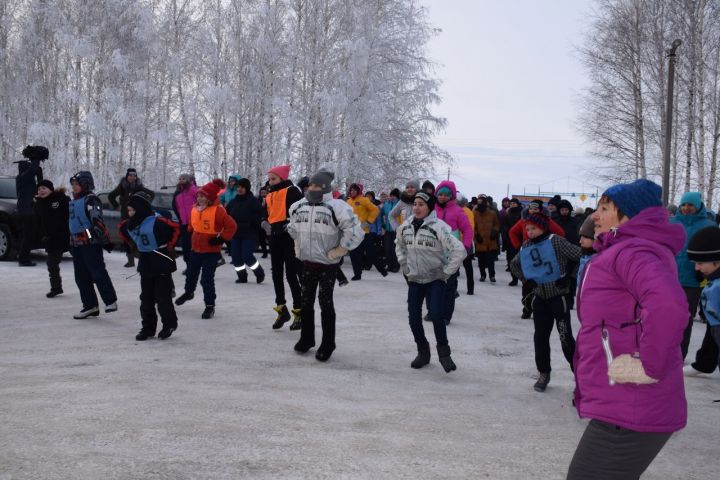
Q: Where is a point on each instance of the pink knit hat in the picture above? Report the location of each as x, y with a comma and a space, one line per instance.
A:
282, 171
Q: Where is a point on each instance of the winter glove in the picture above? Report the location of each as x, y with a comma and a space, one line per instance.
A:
478, 239
493, 235
628, 369
337, 252
109, 247
265, 225
532, 284
216, 241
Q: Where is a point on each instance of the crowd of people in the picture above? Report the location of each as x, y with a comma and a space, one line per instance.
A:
637, 272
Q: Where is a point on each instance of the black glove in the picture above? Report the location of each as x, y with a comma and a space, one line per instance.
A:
562, 282
531, 284
493, 235
478, 239
109, 247
216, 241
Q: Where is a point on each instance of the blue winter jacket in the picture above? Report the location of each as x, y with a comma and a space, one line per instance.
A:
691, 224
385, 214
710, 300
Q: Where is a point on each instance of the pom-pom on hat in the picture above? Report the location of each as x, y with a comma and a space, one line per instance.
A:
209, 191
282, 171
539, 220
704, 246
632, 198
427, 198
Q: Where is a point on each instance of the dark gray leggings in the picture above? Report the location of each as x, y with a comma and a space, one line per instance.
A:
606, 452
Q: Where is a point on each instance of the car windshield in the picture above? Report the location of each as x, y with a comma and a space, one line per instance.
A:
163, 200
7, 188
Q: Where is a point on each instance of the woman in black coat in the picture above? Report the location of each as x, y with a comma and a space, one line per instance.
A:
52, 213
245, 209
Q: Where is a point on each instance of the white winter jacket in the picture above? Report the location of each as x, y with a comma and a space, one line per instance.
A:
318, 228
432, 253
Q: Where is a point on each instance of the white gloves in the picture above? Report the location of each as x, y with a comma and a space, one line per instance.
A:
628, 369
337, 252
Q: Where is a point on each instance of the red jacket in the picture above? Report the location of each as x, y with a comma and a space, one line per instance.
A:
518, 233
224, 227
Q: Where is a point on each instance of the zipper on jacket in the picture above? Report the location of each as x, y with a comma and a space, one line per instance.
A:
605, 337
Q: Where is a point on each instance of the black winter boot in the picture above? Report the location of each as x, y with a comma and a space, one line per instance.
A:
542, 382
184, 298
259, 274
445, 359
323, 353
423, 356
144, 335
242, 276
282, 318
166, 332
54, 292
209, 312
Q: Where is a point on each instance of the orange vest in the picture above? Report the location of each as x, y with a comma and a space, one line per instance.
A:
204, 222
277, 206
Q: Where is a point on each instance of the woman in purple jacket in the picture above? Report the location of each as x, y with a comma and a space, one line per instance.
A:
632, 311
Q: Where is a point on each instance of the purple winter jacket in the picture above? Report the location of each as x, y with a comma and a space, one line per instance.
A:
633, 276
184, 202
452, 214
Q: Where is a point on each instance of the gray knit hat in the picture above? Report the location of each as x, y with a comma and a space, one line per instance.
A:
588, 228
413, 183
323, 178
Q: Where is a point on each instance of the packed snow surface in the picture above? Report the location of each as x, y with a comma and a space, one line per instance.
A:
229, 398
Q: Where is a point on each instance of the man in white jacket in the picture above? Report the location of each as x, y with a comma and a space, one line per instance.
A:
428, 254
324, 231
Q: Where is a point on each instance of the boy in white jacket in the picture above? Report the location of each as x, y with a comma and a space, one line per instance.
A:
428, 254
324, 231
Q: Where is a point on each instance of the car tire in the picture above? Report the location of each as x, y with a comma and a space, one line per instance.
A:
5, 242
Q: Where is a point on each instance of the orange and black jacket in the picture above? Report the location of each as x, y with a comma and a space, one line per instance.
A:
279, 199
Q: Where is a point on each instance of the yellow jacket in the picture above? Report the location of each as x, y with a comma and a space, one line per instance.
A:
365, 210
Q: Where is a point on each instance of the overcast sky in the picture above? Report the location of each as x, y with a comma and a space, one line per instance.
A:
511, 76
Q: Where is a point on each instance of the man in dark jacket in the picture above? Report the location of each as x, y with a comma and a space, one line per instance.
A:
571, 225
26, 181
128, 186
245, 210
52, 213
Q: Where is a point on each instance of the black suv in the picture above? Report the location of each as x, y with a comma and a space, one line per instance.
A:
9, 228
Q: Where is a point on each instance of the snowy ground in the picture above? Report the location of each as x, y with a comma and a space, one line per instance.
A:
228, 398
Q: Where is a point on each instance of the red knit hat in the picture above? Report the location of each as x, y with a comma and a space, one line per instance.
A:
282, 171
539, 220
210, 191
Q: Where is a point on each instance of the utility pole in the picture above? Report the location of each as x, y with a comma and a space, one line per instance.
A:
668, 121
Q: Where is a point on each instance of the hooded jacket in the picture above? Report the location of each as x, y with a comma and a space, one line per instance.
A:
630, 287
230, 193
430, 252
317, 228
365, 210
454, 216
691, 224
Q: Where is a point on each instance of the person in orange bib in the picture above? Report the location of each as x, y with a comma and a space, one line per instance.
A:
210, 227
282, 193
